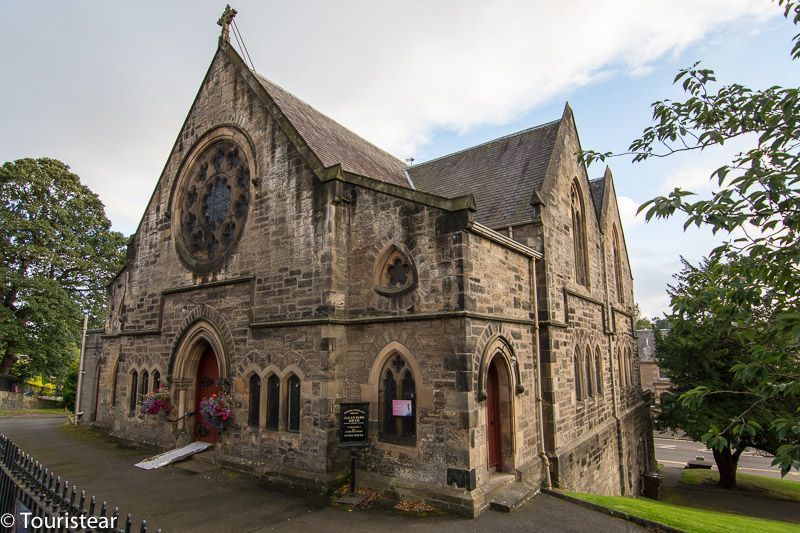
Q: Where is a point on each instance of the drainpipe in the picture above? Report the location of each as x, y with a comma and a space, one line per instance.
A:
538, 370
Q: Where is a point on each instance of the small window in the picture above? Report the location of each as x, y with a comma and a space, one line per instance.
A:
145, 379
578, 376
293, 403
273, 401
579, 236
254, 409
114, 383
621, 366
134, 391
618, 268
589, 385
156, 380
398, 399
598, 368
394, 272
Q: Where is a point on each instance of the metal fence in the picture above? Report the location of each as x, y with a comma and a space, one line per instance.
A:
31, 494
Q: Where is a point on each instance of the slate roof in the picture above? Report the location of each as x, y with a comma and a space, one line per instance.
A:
597, 188
333, 143
501, 174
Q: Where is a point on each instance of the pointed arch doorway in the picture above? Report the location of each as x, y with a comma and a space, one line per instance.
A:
199, 367
494, 422
206, 384
498, 416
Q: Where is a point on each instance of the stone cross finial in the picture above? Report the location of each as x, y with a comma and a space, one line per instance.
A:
225, 21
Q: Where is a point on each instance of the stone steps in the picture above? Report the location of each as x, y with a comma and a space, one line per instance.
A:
512, 497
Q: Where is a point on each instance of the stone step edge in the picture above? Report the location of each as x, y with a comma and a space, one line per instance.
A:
529, 495
644, 522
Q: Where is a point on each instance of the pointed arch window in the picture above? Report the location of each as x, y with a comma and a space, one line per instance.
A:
598, 368
398, 402
156, 379
254, 407
589, 384
293, 403
145, 379
577, 367
273, 402
618, 268
114, 384
134, 391
579, 236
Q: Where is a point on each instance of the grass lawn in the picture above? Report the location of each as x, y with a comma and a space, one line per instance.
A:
687, 518
783, 489
19, 412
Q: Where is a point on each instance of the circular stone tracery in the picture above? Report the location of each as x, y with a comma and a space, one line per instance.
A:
212, 205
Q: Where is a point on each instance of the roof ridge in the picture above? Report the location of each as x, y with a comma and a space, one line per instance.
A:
290, 93
486, 143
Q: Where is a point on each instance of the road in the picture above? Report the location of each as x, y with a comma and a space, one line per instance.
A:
676, 452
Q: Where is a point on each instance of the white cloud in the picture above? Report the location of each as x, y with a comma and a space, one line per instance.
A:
395, 73
627, 212
404, 73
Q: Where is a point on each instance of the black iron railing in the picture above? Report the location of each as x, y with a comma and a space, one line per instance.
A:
32, 495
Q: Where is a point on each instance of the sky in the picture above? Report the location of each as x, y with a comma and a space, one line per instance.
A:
105, 86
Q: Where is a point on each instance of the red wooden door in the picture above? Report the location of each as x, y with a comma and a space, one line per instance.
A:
494, 435
206, 379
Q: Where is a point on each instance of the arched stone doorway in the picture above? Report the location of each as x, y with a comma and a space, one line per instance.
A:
199, 369
499, 419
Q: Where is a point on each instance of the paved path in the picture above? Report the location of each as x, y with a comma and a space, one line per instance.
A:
177, 499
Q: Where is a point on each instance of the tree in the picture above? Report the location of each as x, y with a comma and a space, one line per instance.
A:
56, 250
756, 202
696, 354
642, 322
70, 387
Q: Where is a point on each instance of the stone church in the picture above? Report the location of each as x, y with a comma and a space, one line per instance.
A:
286, 261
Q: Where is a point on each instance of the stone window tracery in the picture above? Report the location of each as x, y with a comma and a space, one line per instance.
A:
395, 272
398, 402
211, 204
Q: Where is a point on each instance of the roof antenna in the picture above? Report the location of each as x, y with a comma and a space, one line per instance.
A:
409, 161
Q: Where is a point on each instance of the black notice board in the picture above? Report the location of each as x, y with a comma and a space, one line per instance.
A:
354, 424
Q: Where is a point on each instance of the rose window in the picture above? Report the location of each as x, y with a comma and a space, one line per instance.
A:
213, 205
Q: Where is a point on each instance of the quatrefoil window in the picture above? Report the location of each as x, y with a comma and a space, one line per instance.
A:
395, 273
212, 202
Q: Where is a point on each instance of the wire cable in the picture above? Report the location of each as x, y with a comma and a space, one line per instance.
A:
243, 46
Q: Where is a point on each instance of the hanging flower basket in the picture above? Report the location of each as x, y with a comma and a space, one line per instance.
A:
217, 410
156, 401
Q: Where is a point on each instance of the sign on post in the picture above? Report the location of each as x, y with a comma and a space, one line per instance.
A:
354, 425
